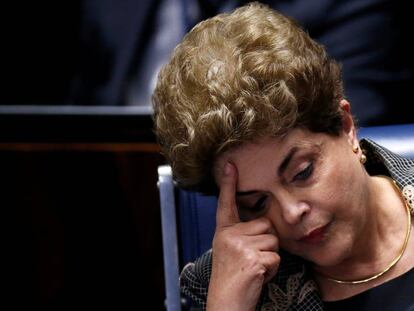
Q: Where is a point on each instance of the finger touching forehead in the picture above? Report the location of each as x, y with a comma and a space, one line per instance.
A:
219, 165
236, 156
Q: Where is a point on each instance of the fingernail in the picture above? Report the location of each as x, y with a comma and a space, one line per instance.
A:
227, 169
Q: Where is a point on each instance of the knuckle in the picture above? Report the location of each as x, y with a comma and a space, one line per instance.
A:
250, 257
228, 239
222, 202
275, 259
259, 271
237, 244
225, 203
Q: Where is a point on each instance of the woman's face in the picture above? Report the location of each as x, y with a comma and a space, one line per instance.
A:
311, 186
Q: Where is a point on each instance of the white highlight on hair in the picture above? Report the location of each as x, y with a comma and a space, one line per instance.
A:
214, 69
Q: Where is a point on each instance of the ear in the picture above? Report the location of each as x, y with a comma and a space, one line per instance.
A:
348, 125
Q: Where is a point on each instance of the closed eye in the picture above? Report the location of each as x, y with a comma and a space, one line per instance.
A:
260, 204
249, 212
305, 174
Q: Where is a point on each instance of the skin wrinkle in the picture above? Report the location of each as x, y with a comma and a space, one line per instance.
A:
387, 234
242, 187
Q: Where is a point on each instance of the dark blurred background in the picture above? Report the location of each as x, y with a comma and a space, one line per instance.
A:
77, 153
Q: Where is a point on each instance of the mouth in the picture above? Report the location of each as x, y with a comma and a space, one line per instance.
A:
315, 236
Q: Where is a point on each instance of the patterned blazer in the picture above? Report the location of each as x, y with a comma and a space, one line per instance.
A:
293, 288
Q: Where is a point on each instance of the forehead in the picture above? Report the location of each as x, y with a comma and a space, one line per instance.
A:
269, 151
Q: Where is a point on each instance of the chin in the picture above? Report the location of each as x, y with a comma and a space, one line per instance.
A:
326, 260
328, 255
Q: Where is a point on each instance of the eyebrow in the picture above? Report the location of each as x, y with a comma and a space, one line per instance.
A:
280, 170
286, 161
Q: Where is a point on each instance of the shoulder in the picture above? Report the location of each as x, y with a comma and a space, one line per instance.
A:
383, 161
194, 279
379, 157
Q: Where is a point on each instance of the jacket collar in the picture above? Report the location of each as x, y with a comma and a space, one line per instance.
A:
380, 160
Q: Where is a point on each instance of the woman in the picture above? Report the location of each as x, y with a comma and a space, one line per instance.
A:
252, 109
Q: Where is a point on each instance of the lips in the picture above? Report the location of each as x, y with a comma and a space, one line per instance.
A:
315, 236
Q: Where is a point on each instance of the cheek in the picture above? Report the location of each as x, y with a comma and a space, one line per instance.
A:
337, 183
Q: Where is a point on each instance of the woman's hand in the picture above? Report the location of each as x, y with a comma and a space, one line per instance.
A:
244, 253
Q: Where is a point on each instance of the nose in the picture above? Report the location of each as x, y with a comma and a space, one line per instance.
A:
292, 209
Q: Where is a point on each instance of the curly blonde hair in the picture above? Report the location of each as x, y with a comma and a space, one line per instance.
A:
238, 77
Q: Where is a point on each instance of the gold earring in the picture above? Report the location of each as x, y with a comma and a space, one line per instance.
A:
355, 149
363, 159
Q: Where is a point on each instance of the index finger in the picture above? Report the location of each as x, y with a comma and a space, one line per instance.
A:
227, 213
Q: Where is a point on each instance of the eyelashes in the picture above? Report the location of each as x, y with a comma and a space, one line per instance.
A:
305, 174
259, 205
255, 210
301, 176
247, 213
